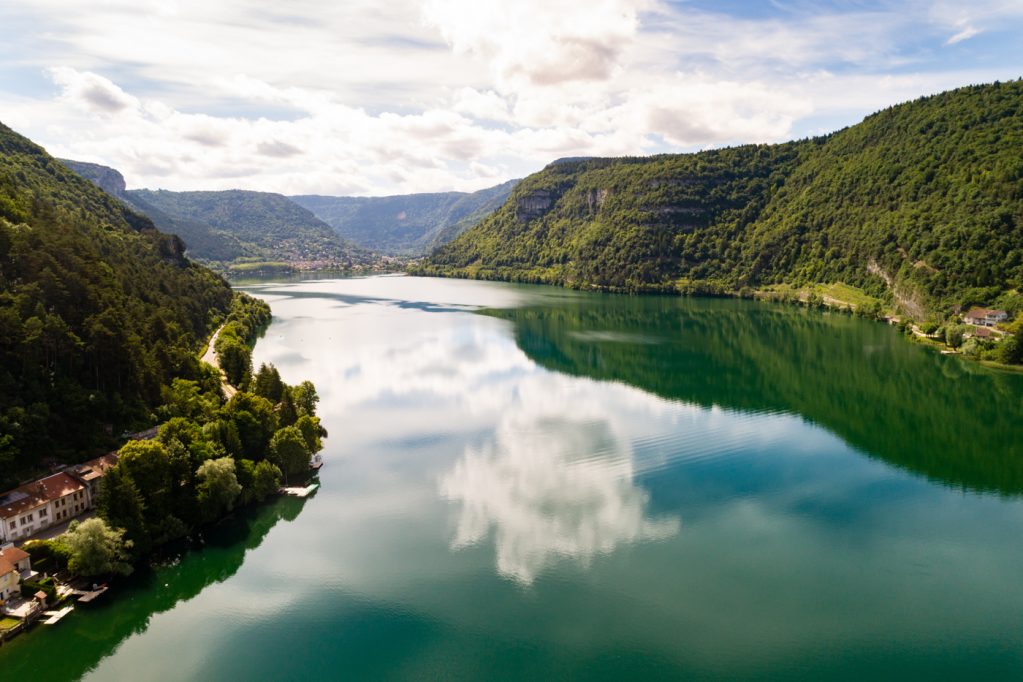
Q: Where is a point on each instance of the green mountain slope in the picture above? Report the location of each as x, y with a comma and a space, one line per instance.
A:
232, 226
923, 201
410, 224
98, 310
202, 241
268, 226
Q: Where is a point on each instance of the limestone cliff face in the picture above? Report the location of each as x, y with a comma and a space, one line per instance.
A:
534, 204
596, 197
107, 179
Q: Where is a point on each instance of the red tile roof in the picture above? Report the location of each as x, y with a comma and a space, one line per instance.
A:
7, 567
13, 554
37, 493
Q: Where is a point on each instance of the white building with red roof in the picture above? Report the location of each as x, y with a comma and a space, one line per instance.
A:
38, 505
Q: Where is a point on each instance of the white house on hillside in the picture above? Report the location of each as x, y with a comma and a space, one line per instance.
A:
985, 317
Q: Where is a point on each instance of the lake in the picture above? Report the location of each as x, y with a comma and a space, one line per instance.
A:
525, 482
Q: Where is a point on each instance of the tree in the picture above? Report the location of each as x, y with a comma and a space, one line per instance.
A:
162, 480
148, 464
954, 335
218, 487
224, 433
305, 398
312, 432
266, 480
255, 421
288, 450
286, 412
185, 398
1011, 350
268, 383
96, 549
235, 359
120, 505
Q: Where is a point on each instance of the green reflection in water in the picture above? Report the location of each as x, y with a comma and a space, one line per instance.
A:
950, 420
93, 632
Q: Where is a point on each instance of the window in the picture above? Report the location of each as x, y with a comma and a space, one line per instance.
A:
42, 513
13, 525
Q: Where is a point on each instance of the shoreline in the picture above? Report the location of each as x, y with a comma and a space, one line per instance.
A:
66, 595
700, 289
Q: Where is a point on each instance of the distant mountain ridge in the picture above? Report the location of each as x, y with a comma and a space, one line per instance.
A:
921, 203
239, 225
267, 225
201, 239
406, 225
231, 225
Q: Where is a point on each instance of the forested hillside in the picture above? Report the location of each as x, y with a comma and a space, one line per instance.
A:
202, 241
411, 224
268, 226
231, 228
921, 203
98, 311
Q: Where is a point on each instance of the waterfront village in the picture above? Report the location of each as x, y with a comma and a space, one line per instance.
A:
43, 509
40, 510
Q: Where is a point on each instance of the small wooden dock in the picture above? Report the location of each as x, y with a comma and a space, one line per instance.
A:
300, 492
85, 597
53, 617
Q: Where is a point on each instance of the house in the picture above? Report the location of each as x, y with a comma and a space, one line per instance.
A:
38, 505
20, 559
10, 581
90, 473
985, 317
15, 566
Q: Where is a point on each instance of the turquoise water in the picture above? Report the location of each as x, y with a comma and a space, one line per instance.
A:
531, 483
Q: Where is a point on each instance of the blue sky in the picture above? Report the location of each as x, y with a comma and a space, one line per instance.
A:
370, 98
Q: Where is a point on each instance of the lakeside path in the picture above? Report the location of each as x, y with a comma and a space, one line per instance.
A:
210, 357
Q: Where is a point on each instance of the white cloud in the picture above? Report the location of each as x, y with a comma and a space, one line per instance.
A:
965, 34
362, 98
539, 42
91, 92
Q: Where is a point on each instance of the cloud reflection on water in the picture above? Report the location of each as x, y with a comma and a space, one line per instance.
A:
555, 482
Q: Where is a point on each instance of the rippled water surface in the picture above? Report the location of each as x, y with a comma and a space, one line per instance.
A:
530, 483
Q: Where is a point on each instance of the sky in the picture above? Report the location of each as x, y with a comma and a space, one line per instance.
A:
371, 97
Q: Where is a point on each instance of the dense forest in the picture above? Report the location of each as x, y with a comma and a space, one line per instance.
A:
409, 224
920, 205
210, 456
98, 312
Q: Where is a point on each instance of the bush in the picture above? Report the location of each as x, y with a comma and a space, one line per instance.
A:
47, 585
51, 552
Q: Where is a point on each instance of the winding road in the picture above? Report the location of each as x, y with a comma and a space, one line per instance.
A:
210, 357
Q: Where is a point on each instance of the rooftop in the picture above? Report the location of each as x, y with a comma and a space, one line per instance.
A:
94, 468
984, 312
13, 554
37, 493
